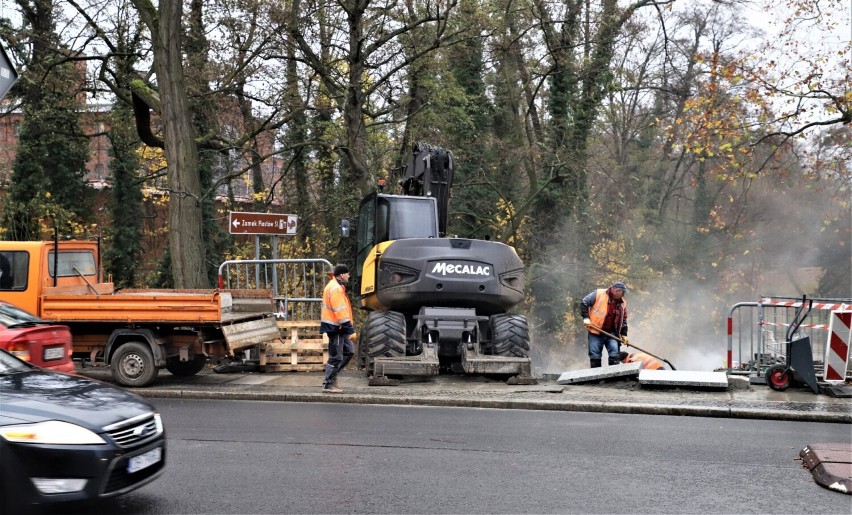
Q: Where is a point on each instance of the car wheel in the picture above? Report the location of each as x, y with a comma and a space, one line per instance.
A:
132, 364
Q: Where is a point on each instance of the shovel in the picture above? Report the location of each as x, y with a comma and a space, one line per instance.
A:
669, 363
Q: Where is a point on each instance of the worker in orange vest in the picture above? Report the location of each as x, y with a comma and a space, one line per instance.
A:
336, 322
648, 362
605, 310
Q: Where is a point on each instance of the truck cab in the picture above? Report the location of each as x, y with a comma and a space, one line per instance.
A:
28, 267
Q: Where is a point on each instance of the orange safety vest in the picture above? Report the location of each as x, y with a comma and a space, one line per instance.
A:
336, 309
597, 313
648, 362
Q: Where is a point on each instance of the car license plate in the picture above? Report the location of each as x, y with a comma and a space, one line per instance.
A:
144, 460
51, 353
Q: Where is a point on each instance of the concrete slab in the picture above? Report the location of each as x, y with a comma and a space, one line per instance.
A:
683, 378
738, 382
596, 374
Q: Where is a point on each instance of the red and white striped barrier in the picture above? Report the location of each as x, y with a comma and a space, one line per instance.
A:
806, 326
795, 304
837, 349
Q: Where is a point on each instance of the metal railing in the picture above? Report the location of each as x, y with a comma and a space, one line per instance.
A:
757, 331
296, 284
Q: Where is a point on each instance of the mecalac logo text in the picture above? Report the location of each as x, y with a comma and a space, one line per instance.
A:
450, 268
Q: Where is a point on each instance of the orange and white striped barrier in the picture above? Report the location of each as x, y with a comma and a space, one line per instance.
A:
837, 349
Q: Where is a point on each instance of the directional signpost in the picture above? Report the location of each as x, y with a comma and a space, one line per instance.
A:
262, 223
8, 75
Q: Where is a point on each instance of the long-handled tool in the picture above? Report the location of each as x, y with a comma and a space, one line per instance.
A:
669, 363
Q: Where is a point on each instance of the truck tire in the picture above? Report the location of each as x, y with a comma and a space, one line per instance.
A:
186, 368
510, 335
383, 335
132, 364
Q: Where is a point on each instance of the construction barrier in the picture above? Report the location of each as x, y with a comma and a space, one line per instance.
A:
837, 347
296, 284
296, 344
756, 331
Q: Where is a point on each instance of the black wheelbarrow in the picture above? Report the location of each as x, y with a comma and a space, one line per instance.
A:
798, 364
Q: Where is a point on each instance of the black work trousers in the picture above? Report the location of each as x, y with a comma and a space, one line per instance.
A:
340, 350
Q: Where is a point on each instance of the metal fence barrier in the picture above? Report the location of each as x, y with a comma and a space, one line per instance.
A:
757, 331
296, 284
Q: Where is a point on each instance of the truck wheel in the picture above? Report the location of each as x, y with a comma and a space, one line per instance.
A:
186, 368
510, 335
384, 335
133, 365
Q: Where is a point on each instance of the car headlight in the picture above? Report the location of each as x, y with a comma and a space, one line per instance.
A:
52, 432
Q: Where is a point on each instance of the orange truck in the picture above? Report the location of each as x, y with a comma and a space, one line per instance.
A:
135, 332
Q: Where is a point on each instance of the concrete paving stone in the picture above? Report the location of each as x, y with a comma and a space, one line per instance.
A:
596, 374
736, 382
683, 378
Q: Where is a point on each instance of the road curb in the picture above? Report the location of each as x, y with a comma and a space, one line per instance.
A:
526, 404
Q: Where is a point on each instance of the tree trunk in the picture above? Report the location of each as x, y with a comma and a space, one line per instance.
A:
355, 152
185, 228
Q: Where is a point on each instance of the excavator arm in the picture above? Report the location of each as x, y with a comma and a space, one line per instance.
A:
429, 173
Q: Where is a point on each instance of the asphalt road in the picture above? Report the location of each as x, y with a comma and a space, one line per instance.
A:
277, 457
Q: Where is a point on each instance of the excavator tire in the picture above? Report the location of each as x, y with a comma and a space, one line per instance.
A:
510, 335
383, 335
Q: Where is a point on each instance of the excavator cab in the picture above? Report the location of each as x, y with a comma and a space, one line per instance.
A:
383, 218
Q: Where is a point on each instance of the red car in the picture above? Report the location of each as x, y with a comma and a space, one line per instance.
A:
34, 340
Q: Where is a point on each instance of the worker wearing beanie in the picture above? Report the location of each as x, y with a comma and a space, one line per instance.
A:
337, 324
605, 309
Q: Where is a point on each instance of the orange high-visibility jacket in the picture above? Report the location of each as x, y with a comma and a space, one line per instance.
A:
597, 313
336, 310
648, 362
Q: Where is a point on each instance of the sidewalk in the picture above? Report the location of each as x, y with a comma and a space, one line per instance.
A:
616, 396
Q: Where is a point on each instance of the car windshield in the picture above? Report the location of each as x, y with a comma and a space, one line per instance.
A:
10, 364
10, 316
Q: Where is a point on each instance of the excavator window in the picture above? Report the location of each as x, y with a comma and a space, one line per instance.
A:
411, 217
366, 231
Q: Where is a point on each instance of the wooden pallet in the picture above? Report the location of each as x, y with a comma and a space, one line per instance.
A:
301, 348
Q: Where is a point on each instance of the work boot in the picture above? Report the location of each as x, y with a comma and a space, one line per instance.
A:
596, 363
614, 361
